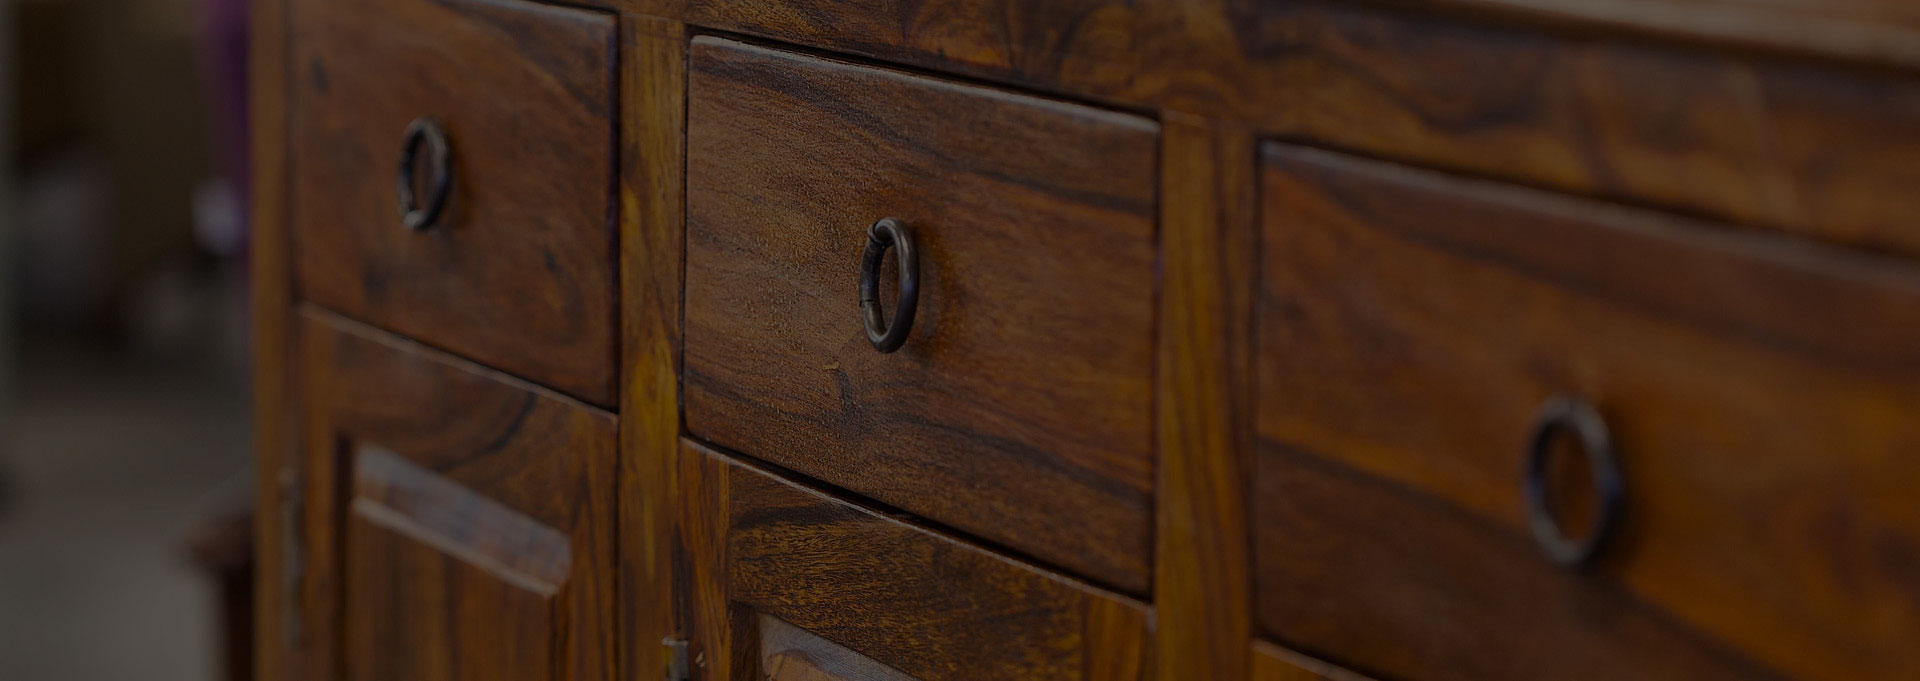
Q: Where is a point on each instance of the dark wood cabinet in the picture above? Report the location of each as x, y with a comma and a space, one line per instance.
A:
1210, 340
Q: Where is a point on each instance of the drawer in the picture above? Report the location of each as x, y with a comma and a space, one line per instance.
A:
1019, 408
516, 269
794, 585
456, 519
1758, 396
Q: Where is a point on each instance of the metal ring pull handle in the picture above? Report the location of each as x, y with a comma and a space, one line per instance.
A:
1579, 419
425, 132
889, 233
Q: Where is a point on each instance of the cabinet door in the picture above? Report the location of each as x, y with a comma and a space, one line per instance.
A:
788, 583
458, 522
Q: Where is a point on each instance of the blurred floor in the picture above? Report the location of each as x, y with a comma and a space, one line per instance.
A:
110, 459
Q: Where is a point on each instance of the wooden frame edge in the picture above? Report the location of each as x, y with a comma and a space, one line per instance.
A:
650, 147
1202, 590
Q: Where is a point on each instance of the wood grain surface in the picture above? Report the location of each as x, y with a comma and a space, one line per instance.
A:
445, 584
1881, 32
1274, 663
917, 602
1118, 644
462, 522
1003, 32
276, 446
1019, 410
1201, 587
1759, 392
1280, 391
1797, 144
789, 653
519, 273
700, 530
653, 83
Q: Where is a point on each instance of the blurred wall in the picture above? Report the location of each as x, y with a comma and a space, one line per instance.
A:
9, 223
112, 147
123, 422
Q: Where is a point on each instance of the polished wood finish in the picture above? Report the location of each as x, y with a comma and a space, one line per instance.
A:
1016, 411
518, 272
706, 488
1055, 44
653, 106
1235, 314
1399, 586
1885, 32
1799, 145
1206, 241
275, 439
1803, 148
1274, 663
459, 522
443, 583
1117, 640
897, 595
1765, 451
789, 653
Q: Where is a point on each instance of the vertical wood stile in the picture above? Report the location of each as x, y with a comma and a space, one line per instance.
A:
1201, 583
651, 141
271, 309
1116, 641
317, 635
703, 542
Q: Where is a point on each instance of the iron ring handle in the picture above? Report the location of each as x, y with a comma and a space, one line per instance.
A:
889, 234
424, 132
1582, 421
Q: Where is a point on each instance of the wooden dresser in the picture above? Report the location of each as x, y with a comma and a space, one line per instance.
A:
1089, 340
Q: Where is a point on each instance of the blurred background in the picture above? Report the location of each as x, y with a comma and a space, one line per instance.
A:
123, 413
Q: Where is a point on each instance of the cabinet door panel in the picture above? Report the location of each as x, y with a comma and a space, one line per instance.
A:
443, 583
468, 533
791, 584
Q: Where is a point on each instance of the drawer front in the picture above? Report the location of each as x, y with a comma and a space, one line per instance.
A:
516, 271
455, 519
1760, 395
806, 587
1019, 407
